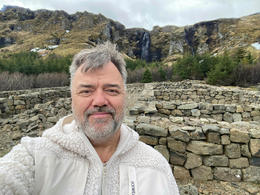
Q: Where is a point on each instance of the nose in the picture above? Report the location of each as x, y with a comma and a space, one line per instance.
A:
99, 99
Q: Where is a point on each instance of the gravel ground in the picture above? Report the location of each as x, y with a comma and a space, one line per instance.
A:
218, 188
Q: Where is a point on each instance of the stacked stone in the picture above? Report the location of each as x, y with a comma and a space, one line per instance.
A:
221, 112
15, 104
203, 149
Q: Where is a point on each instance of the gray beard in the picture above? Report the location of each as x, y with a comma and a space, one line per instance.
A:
100, 134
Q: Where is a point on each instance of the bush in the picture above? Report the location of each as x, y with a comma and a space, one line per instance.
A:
147, 76
222, 73
19, 81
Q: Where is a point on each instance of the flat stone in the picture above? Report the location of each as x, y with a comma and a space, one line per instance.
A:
239, 135
204, 148
227, 174
239, 163
180, 135
188, 106
216, 161
149, 140
175, 145
177, 120
207, 128
202, 173
198, 134
151, 130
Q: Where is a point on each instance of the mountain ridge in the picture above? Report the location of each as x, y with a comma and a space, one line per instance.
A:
22, 30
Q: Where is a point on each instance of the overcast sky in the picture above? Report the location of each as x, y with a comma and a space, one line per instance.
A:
149, 13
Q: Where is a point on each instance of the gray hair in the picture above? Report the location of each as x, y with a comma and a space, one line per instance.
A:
96, 58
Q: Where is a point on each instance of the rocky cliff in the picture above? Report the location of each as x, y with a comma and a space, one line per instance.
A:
22, 29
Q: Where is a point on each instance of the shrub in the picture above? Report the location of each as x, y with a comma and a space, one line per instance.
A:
147, 76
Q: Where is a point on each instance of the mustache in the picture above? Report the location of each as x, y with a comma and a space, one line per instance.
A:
100, 109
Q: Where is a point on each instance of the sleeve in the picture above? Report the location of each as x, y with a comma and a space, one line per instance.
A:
17, 171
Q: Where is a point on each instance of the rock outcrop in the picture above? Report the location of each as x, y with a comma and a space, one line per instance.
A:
22, 29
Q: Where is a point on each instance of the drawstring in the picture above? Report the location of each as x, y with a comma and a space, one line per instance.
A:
132, 181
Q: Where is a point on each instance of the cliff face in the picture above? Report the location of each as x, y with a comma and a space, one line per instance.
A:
22, 29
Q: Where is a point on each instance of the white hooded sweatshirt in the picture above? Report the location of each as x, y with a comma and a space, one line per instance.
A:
63, 162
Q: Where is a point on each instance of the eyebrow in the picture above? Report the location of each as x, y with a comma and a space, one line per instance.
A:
92, 86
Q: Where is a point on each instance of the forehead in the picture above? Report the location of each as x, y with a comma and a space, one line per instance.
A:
107, 73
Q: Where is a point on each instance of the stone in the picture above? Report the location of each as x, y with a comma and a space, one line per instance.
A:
255, 161
176, 112
195, 112
255, 147
207, 128
143, 119
177, 120
188, 189
164, 111
239, 135
187, 106
177, 158
216, 161
198, 134
232, 151
180, 135
188, 128
153, 130
254, 133
163, 150
224, 131
231, 108
149, 140
169, 105
204, 148
239, 109
237, 117
239, 163
180, 173
202, 173
255, 113
213, 137
225, 140
245, 151
52, 119
193, 161
163, 141
227, 174
228, 117
251, 174
175, 145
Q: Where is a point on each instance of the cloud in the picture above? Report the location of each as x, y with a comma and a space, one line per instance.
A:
149, 13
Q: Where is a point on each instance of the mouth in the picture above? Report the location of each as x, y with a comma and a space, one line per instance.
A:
100, 115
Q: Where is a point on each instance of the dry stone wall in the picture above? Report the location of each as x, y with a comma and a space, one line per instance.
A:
204, 136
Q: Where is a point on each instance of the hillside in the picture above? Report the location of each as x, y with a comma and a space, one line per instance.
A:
61, 33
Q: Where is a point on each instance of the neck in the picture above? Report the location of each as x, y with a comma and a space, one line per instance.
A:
107, 148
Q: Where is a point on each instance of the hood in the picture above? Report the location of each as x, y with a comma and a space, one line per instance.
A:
66, 134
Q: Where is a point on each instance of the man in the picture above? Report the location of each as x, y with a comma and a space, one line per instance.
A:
90, 152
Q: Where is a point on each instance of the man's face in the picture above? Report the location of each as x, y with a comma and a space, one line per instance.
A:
98, 101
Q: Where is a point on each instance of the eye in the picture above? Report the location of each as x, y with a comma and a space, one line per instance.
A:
112, 92
85, 92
